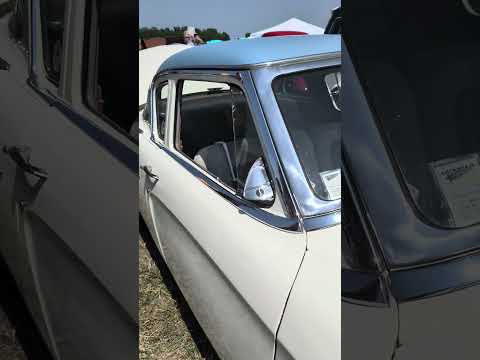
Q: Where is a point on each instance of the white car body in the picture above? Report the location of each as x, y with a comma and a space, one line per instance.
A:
65, 230
262, 285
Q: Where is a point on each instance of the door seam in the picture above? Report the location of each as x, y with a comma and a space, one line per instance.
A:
288, 298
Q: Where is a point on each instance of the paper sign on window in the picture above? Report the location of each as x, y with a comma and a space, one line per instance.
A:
459, 181
332, 180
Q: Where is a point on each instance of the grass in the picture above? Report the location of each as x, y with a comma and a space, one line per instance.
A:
168, 329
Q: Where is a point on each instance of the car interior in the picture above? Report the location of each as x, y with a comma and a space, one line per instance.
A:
424, 89
109, 93
218, 133
313, 123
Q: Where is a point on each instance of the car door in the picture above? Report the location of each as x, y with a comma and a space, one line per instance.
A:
311, 324
367, 302
148, 149
73, 166
14, 45
234, 262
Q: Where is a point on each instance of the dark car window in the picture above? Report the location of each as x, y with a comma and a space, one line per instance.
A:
217, 131
18, 22
310, 105
425, 93
111, 51
53, 20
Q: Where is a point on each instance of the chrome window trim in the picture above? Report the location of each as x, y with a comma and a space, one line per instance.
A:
291, 225
151, 103
322, 221
307, 202
245, 82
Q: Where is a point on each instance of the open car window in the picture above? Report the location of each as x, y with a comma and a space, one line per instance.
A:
215, 129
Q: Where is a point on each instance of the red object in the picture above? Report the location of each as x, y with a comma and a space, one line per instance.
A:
283, 33
152, 42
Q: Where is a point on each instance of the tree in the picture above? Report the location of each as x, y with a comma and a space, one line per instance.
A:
247, 34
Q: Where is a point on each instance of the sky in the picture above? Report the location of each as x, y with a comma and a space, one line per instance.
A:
234, 17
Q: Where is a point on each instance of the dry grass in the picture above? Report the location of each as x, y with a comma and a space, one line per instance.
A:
168, 329
10, 348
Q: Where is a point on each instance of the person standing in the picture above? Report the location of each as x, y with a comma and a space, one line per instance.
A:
191, 38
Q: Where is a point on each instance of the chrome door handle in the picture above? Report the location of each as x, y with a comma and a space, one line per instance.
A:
148, 171
17, 153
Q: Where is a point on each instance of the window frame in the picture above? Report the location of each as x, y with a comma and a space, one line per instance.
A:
152, 107
90, 50
311, 207
244, 81
44, 43
177, 125
301, 72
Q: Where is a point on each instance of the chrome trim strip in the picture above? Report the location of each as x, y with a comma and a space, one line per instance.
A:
437, 279
275, 221
283, 62
280, 184
322, 221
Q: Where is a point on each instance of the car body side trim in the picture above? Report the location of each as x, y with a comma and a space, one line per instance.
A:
322, 221
437, 279
119, 150
278, 222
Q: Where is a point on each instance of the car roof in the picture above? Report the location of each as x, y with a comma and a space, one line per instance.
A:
249, 53
148, 62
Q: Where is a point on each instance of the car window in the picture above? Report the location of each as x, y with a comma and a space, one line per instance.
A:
216, 130
310, 106
18, 22
161, 108
425, 99
108, 91
53, 19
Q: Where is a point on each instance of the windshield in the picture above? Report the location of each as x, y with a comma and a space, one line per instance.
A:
310, 105
425, 92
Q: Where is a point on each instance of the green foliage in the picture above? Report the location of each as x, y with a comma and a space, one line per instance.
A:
177, 32
247, 34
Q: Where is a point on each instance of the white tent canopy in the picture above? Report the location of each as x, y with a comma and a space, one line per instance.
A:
293, 24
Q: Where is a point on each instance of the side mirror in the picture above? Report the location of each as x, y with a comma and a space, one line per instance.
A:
257, 186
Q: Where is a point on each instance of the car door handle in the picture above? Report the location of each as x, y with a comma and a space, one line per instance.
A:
148, 171
17, 154
4, 65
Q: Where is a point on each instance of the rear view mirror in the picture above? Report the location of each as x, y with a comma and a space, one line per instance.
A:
257, 186
334, 86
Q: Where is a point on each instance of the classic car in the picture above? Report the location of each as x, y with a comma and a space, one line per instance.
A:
240, 189
411, 199
67, 170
